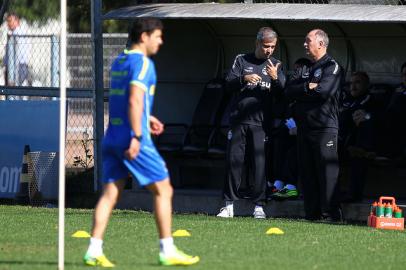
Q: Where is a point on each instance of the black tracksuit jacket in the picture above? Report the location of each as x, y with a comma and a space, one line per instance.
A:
319, 108
253, 102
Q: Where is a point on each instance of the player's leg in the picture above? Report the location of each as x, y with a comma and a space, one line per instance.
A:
169, 255
114, 174
108, 200
162, 195
111, 193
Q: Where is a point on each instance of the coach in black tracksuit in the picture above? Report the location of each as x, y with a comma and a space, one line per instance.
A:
253, 78
316, 113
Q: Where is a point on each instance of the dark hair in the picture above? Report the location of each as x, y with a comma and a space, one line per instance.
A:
12, 14
403, 66
303, 62
143, 25
362, 74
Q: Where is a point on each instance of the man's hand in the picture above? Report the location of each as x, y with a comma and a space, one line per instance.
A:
359, 116
132, 151
272, 70
156, 126
252, 78
313, 86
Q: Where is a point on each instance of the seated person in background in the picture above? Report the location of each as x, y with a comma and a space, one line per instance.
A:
358, 108
284, 150
356, 134
392, 126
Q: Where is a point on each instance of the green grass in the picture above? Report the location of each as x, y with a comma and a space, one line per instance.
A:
28, 240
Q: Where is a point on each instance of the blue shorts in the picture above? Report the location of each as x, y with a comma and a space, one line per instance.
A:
148, 167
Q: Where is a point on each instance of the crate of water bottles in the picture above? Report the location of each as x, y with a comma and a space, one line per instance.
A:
385, 214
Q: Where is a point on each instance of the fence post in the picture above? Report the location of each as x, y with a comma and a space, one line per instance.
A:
98, 94
11, 61
54, 61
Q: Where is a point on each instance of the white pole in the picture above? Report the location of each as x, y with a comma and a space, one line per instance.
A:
62, 124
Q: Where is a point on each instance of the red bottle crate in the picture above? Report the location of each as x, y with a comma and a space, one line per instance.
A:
387, 223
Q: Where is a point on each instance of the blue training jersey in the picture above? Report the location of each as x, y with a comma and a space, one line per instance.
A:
131, 67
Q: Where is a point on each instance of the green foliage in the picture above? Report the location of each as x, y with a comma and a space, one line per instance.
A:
79, 12
85, 161
35, 10
79, 16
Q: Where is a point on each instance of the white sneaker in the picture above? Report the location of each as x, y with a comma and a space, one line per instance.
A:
226, 212
259, 213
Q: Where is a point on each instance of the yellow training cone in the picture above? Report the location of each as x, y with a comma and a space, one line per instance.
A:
274, 231
81, 234
181, 233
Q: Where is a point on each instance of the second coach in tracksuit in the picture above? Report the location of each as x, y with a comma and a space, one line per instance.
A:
316, 113
253, 78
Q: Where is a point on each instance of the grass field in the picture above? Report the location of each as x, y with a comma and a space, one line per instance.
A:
28, 240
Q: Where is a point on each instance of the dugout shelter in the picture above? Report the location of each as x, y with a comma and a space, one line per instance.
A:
202, 39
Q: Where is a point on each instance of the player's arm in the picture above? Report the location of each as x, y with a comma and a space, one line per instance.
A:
135, 109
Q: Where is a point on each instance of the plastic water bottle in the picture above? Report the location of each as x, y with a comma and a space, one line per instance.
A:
398, 212
388, 210
380, 211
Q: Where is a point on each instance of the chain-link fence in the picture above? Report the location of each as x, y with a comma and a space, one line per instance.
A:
29, 60
29, 69
81, 110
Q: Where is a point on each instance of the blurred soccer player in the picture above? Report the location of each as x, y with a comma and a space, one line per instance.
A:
127, 146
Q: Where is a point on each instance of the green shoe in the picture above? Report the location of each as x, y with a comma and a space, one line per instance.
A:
177, 258
285, 194
101, 261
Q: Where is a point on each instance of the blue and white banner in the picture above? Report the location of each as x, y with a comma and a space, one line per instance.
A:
35, 123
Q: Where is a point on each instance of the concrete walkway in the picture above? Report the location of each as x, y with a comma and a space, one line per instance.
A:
209, 202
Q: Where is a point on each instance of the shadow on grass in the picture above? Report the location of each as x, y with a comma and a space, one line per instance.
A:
36, 263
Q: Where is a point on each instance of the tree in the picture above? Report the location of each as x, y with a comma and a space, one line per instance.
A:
35, 10
80, 14
79, 11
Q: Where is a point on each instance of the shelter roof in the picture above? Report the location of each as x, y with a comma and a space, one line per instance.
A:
262, 11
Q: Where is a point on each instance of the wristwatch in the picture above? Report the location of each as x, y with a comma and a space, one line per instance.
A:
138, 138
135, 136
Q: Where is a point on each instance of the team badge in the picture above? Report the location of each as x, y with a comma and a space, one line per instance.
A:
264, 71
229, 135
317, 73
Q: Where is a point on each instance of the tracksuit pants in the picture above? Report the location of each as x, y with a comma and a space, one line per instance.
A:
318, 169
246, 143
